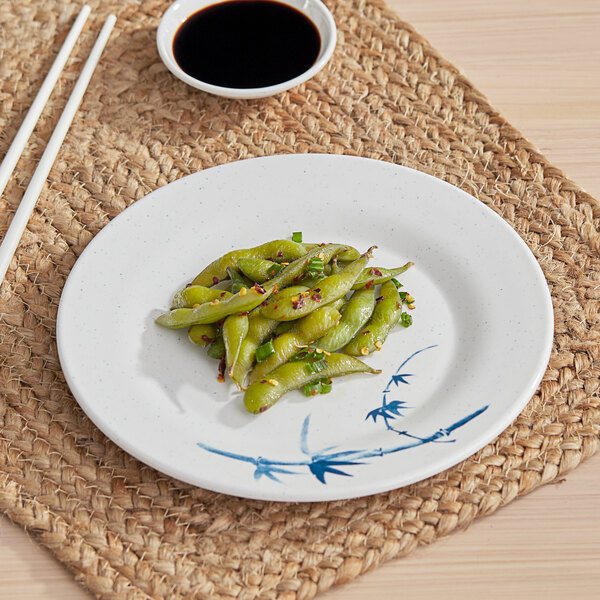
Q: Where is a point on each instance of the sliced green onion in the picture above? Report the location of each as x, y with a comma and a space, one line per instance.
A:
403, 296
304, 353
312, 389
326, 385
275, 270
297, 236
263, 352
322, 386
317, 366
397, 284
406, 319
315, 267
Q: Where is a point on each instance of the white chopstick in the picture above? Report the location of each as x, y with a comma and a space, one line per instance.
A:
28, 202
18, 144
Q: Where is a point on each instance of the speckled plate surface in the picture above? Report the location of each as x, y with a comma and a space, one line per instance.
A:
473, 358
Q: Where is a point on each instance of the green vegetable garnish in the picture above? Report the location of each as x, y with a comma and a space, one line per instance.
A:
317, 366
405, 319
263, 352
315, 267
304, 353
297, 236
323, 386
326, 386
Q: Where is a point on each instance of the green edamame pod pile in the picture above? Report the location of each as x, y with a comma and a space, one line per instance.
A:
287, 315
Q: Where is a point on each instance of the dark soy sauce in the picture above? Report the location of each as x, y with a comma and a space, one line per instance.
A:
246, 44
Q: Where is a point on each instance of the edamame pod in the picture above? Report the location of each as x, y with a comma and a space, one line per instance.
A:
235, 328
262, 394
304, 332
386, 314
349, 254
285, 294
327, 290
217, 348
258, 269
237, 280
282, 327
214, 311
312, 282
355, 313
278, 250
377, 275
203, 335
197, 294
337, 304
293, 272
259, 329
334, 266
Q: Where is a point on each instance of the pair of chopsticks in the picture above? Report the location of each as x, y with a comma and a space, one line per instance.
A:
21, 217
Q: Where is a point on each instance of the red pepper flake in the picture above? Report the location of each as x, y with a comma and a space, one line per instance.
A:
259, 288
313, 392
263, 408
378, 300
398, 305
279, 254
216, 280
207, 340
220, 323
222, 294
369, 284
299, 303
264, 302
221, 375
296, 278
317, 290
263, 381
242, 314
316, 297
366, 331
275, 307
375, 271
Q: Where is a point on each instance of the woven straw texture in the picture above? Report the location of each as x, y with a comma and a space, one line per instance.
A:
127, 531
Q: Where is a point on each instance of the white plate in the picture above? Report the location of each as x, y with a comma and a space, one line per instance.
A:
452, 382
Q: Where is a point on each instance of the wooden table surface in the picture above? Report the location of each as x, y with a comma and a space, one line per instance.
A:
539, 63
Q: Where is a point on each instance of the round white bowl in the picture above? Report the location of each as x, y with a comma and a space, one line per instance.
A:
181, 10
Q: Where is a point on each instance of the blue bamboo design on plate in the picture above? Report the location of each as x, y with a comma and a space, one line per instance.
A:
330, 460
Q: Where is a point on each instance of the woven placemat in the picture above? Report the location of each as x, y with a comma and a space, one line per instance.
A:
127, 531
